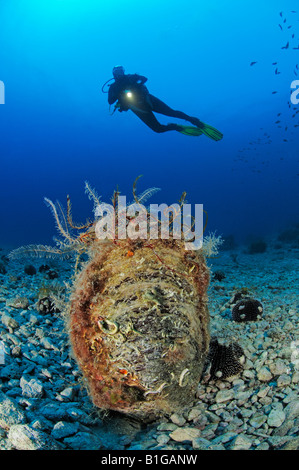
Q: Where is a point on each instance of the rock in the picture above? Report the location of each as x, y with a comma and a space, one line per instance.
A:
224, 395
18, 302
262, 446
278, 441
241, 442
263, 392
166, 427
292, 410
295, 378
223, 438
243, 397
9, 322
284, 428
68, 393
43, 268
199, 443
10, 372
278, 367
84, 441
249, 374
185, 434
257, 420
51, 274
76, 414
292, 444
276, 418
163, 439
264, 374
24, 437
54, 412
48, 344
209, 431
31, 387
30, 270
2, 269
10, 413
177, 419
16, 351
33, 319
283, 380
194, 414
63, 429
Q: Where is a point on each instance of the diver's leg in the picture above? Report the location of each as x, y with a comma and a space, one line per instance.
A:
159, 107
150, 120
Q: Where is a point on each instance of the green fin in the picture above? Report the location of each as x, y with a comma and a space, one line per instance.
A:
211, 132
191, 130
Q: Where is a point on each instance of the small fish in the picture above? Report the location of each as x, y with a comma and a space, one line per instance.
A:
276, 72
286, 46
274, 92
252, 63
285, 20
289, 27
277, 122
295, 48
285, 140
279, 114
293, 11
295, 73
280, 26
293, 35
297, 66
274, 63
280, 14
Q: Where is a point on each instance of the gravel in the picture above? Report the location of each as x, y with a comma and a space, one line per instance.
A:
44, 405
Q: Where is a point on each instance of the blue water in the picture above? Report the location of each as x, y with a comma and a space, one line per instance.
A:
56, 130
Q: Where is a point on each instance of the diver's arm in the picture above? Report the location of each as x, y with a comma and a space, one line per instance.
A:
112, 94
139, 79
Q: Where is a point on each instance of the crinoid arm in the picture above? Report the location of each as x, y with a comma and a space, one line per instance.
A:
92, 194
70, 221
36, 251
60, 219
211, 245
145, 195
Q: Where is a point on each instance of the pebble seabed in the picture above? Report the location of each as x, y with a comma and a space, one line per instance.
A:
44, 404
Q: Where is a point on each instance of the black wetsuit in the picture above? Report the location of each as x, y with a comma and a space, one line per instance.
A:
144, 104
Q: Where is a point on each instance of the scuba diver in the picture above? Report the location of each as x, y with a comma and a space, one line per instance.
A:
129, 92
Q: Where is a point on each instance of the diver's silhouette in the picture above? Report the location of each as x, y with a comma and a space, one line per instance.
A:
129, 92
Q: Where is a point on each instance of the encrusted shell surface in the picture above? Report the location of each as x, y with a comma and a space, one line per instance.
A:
139, 326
